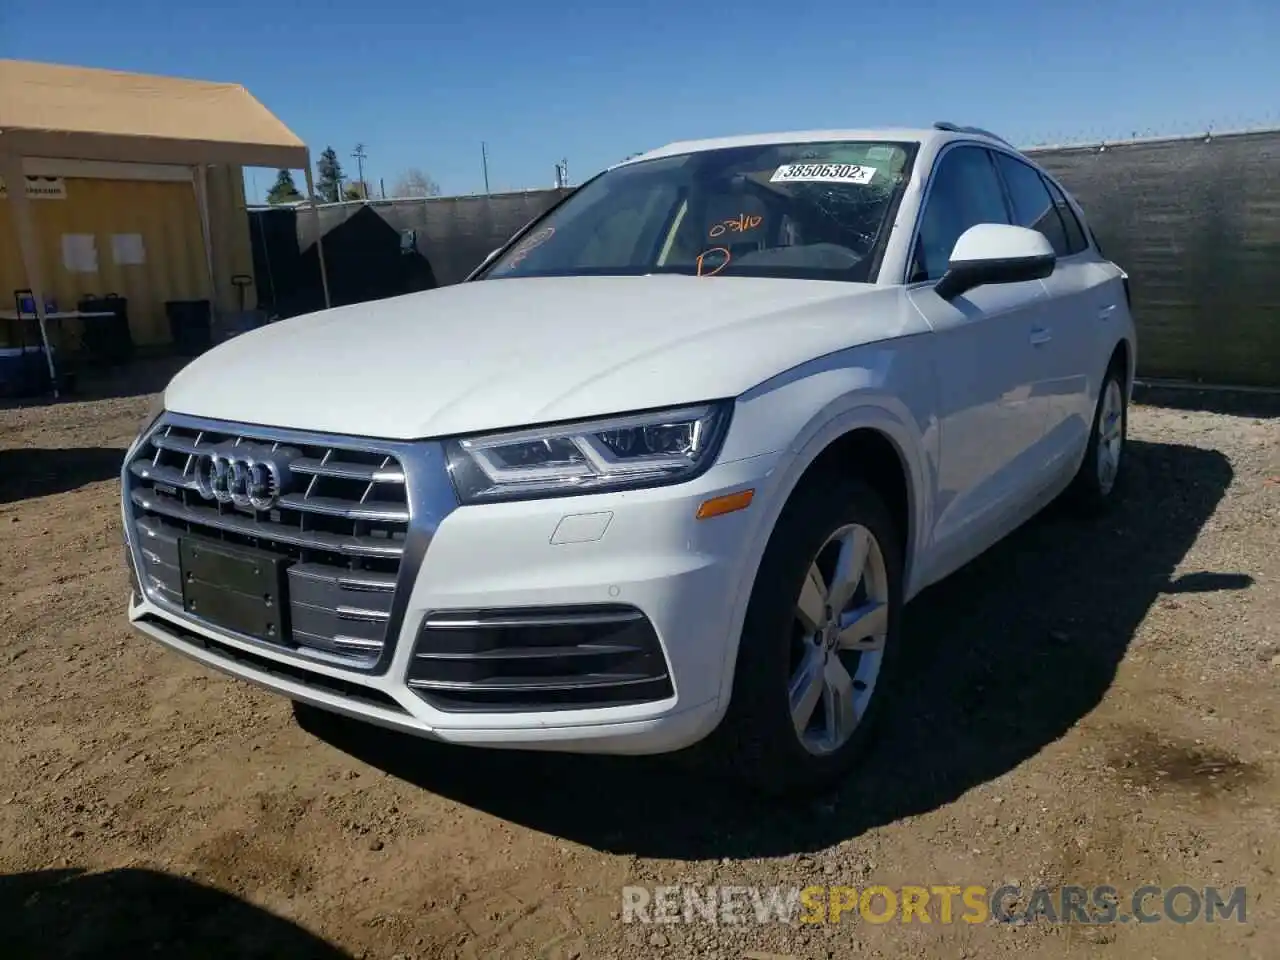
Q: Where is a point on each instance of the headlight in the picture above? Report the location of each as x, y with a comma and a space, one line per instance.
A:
640, 450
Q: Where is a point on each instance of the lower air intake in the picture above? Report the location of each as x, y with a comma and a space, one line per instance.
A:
538, 659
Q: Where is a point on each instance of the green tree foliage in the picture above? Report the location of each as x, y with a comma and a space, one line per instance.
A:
355, 190
284, 190
328, 176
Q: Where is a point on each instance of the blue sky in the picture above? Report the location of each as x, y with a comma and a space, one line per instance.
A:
422, 83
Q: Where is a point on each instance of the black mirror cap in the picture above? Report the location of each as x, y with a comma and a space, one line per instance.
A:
963, 275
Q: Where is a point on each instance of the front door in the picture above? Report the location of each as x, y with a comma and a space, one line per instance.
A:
990, 421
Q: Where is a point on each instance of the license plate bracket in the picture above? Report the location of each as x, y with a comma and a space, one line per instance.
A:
239, 588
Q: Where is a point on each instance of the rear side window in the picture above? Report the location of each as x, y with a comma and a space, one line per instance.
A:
1076, 241
1032, 205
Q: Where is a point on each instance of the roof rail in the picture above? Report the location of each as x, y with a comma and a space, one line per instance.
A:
956, 128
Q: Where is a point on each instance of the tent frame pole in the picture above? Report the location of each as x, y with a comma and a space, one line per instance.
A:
200, 183
315, 213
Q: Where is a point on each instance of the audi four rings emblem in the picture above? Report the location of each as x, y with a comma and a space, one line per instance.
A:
244, 474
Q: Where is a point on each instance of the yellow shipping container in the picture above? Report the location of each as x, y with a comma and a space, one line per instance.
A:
147, 240
130, 184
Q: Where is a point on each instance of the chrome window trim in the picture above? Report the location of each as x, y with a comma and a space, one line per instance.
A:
428, 491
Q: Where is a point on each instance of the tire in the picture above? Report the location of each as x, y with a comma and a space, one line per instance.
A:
758, 741
1097, 484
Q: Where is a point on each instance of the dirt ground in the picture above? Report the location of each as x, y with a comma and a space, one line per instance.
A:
1093, 702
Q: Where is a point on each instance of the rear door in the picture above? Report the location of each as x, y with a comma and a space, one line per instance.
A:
1106, 299
1063, 353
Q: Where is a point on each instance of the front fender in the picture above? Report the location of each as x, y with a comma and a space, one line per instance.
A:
882, 387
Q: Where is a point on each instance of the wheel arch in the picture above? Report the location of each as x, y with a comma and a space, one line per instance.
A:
864, 433
870, 454
1122, 356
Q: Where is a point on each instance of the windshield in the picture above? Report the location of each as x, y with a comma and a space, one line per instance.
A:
801, 210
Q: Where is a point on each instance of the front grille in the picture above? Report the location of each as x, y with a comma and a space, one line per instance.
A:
538, 659
341, 522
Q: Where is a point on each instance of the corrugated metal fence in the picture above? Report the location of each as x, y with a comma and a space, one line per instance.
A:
1196, 223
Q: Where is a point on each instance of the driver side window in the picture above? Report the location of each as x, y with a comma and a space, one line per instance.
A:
965, 192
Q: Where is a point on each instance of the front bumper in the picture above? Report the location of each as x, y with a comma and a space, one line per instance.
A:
641, 549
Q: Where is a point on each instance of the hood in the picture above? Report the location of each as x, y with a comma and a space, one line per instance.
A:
503, 353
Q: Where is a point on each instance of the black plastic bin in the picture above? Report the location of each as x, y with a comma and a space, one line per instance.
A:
190, 325
107, 339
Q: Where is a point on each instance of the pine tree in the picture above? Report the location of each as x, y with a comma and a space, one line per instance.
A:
283, 190
329, 176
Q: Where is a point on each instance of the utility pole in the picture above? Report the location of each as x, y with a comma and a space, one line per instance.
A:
360, 155
484, 159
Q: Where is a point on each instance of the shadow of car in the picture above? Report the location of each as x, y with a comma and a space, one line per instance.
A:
1009, 653
134, 912
27, 472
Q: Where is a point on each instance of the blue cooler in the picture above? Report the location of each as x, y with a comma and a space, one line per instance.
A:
23, 371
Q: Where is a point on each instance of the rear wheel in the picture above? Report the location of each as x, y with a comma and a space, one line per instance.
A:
819, 645
1096, 484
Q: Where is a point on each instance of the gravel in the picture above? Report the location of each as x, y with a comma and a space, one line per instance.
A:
1093, 702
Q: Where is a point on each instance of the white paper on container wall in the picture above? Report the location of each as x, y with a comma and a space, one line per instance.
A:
127, 249
79, 252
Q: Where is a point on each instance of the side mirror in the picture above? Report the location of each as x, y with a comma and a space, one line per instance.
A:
995, 253
408, 241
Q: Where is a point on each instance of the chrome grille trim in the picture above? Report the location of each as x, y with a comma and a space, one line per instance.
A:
352, 580
348, 471
446, 622
350, 546
170, 476
378, 560
355, 643
356, 613
329, 507
533, 685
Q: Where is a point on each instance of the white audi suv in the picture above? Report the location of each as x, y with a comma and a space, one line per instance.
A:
664, 470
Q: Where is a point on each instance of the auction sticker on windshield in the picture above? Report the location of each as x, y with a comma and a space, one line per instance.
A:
823, 173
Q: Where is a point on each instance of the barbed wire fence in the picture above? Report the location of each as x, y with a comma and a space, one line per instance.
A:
1216, 125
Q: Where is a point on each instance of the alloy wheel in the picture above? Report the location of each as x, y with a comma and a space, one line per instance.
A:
839, 629
1110, 436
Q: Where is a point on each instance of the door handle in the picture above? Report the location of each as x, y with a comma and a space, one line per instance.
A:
1105, 312
1040, 335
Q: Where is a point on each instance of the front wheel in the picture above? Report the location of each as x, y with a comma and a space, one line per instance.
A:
819, 644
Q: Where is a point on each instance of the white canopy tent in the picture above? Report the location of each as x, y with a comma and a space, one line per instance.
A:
54, 112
